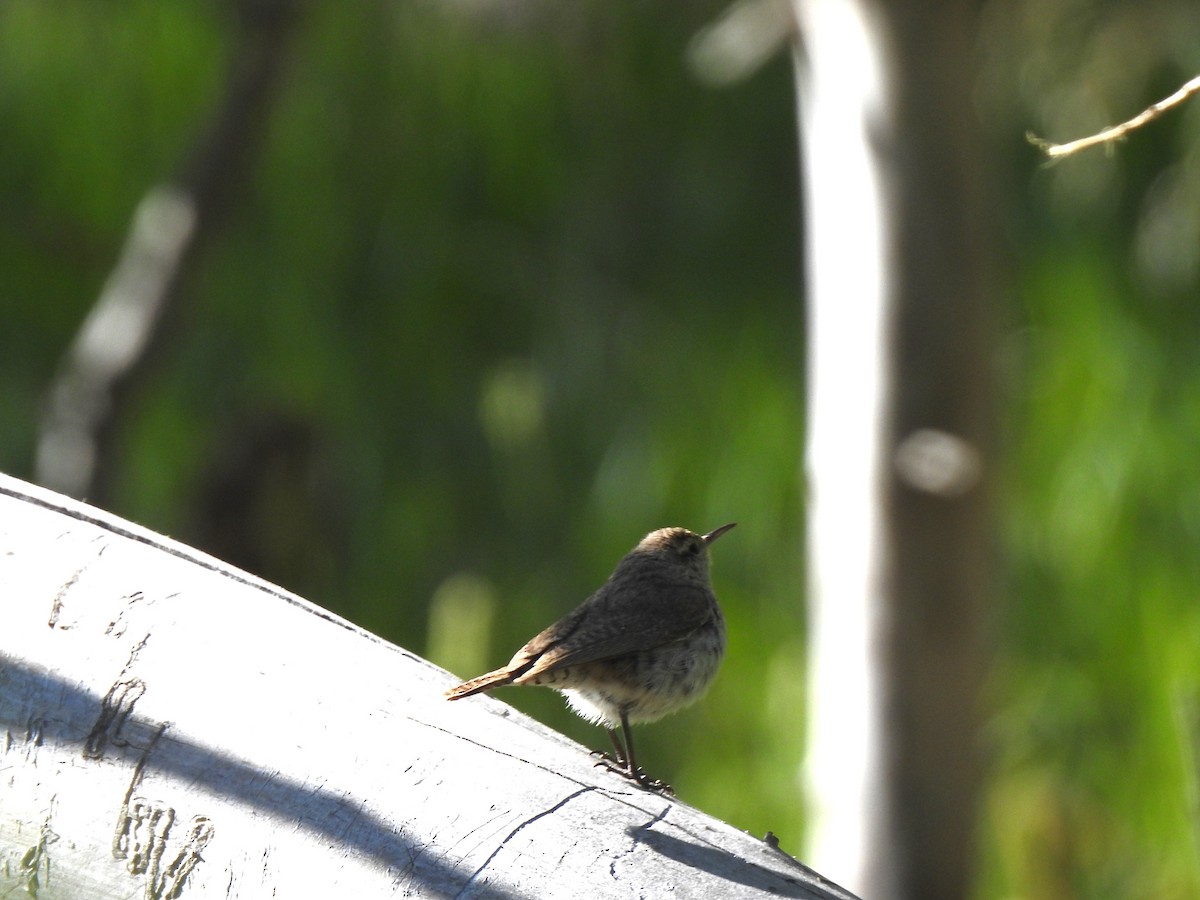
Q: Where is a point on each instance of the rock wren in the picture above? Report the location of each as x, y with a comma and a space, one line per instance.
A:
646, 644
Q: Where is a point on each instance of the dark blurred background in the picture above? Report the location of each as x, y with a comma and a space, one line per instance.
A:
490, 289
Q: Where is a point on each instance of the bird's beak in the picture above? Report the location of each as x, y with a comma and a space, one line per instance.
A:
713, 535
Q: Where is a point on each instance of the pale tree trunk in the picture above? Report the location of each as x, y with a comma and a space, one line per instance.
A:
899, 295
128, 328
175, 728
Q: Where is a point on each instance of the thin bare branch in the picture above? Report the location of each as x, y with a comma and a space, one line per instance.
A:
1116, 132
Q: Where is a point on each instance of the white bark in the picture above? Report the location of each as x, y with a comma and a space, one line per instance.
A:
900, 353
839, 75
174, 727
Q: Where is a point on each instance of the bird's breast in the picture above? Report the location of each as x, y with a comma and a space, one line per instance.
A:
648, 684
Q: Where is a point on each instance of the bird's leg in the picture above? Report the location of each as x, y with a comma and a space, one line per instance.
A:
618, 747
625, 763
631, 767
616, 762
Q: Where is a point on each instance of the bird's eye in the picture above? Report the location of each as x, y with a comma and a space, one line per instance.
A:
691, 548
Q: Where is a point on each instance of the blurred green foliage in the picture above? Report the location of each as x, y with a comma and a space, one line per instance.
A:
511, 289
1095, 699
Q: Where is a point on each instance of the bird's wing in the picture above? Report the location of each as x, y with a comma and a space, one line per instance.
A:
604, 627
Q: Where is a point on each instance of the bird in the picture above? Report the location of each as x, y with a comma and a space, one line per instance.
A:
646, 643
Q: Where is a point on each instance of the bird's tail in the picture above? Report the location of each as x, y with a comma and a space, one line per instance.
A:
496, 679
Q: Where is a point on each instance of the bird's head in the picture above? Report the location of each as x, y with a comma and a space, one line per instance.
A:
680, 547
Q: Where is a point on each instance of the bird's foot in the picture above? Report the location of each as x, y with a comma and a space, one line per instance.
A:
605, 755
638, 776
651, 784
610, 762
